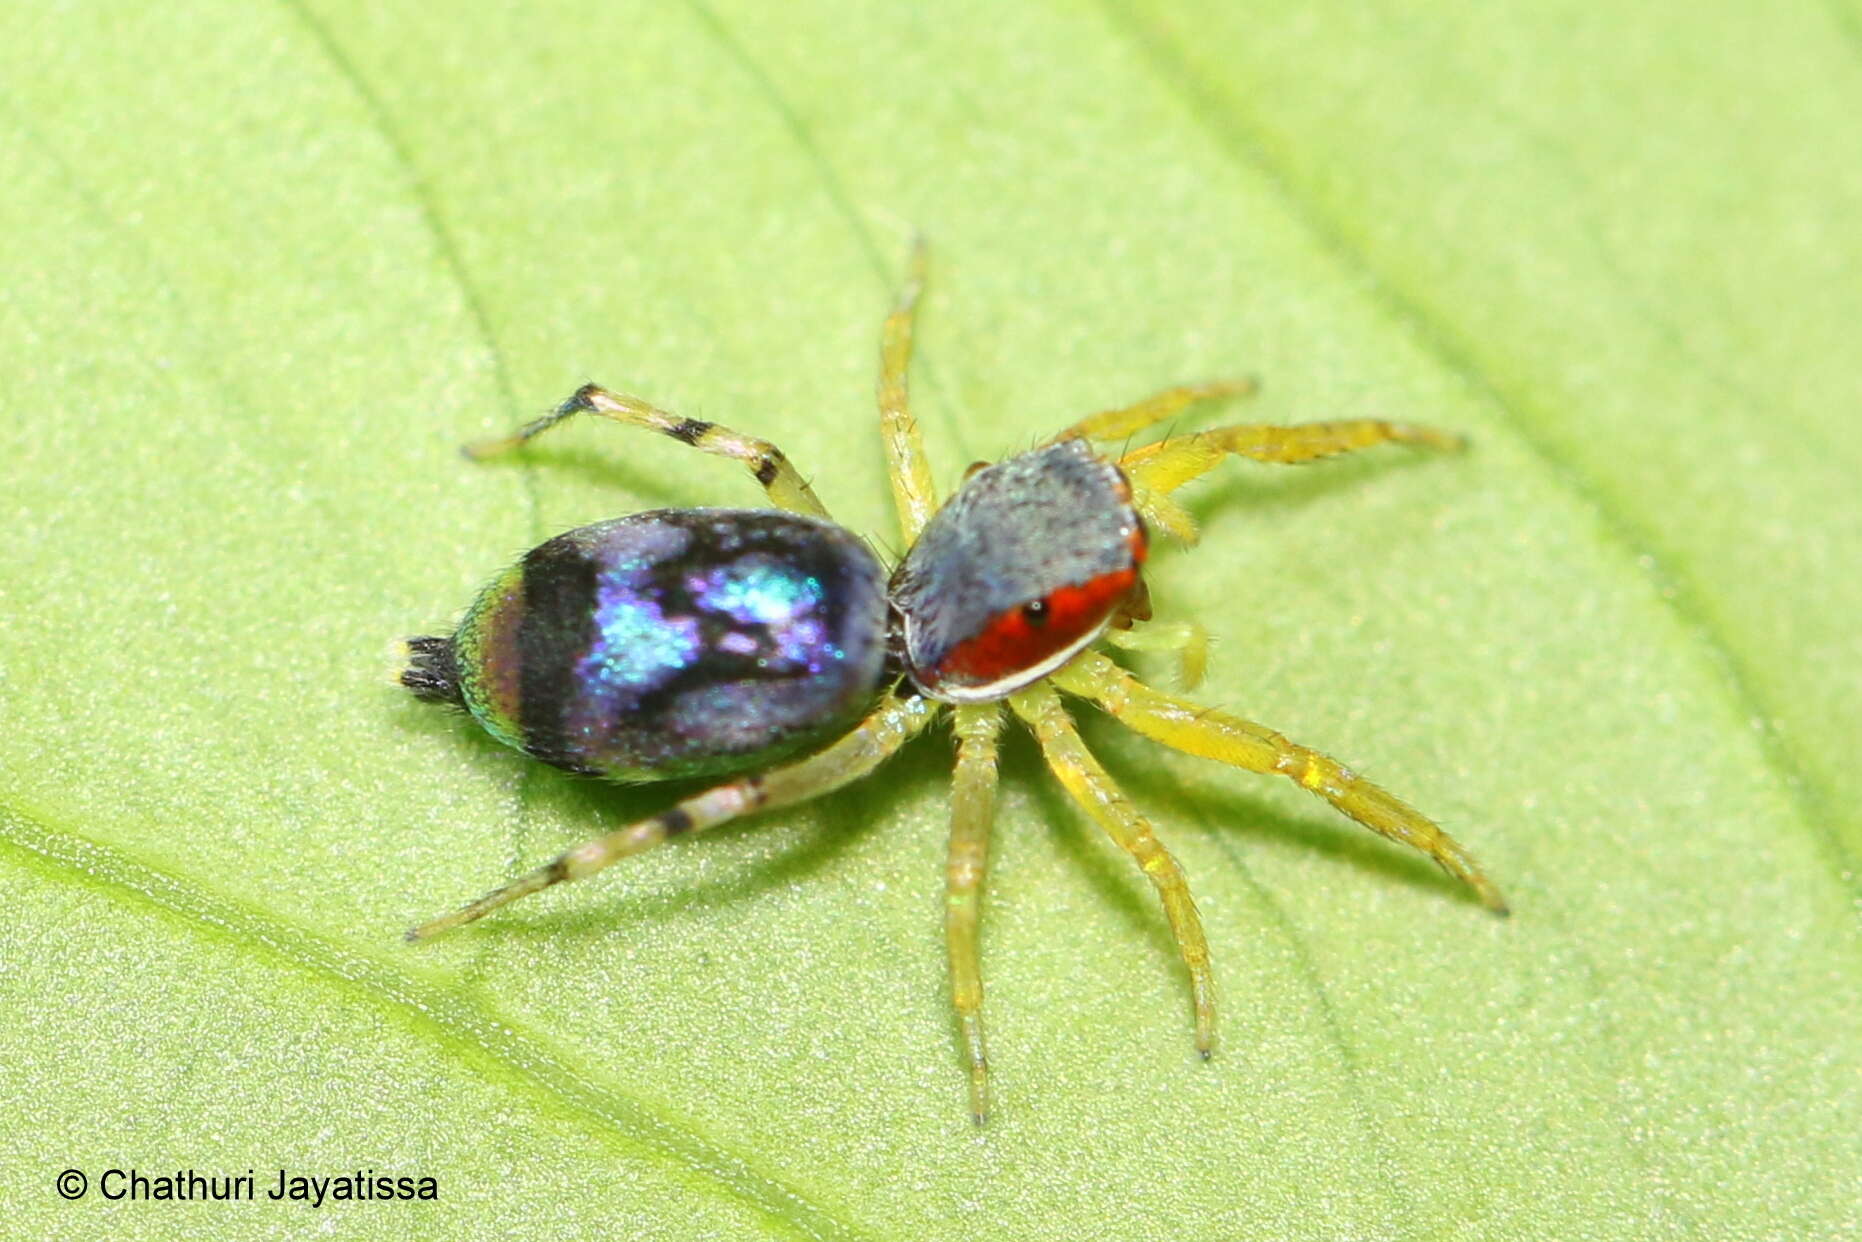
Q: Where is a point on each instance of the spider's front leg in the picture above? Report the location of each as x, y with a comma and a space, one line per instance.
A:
1169, 464
1129, 420
1158, 469
1186, 640
1197, 730
855, 754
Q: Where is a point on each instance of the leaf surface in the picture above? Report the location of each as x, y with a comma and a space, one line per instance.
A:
264, 269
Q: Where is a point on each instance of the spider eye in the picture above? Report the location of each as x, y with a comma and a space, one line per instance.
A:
1035, 612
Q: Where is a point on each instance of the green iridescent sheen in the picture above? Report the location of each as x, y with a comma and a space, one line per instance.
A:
490, 676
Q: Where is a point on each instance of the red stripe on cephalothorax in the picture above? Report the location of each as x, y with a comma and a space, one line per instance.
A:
1022, 637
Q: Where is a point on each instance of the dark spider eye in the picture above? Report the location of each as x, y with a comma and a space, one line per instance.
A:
1035, 613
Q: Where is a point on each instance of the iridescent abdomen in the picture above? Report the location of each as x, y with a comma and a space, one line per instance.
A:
680, 642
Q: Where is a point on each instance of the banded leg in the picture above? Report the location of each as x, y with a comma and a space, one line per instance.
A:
1195, 730
1089, 785
1131, 419
914, 495
972, 809
853, 756
1169, 464
1186, 639
785, 486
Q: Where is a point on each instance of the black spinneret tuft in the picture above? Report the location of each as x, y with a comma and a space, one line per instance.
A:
432, 672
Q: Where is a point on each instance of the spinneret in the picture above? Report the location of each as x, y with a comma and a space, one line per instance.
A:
432, 672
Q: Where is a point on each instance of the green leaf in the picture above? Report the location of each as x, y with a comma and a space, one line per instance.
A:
262, 269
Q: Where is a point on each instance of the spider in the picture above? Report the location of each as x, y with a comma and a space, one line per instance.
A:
770, 646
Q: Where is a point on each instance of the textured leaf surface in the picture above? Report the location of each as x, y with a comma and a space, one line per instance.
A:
265, 268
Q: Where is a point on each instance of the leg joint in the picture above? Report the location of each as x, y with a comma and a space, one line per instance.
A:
689, 430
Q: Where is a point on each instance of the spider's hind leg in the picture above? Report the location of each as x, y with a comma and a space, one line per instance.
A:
1196, 730
1095, 791
766, 463
856, 753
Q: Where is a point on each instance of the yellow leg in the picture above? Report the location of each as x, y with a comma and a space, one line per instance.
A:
785, 486
1130, 420
1188, 640
1160, 512
913, 493
1197, 730
1169, 464
1089, 785
972, 808
853, 756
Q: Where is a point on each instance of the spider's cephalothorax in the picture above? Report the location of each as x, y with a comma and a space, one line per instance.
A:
692, 642
1024, 567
